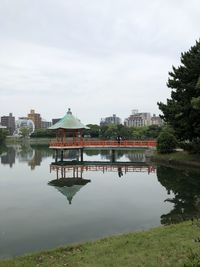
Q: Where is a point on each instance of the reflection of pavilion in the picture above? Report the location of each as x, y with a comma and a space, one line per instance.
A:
69, 175
65, 167
69, 186
68, 182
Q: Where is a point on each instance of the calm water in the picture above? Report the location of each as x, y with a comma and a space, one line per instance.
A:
37, 213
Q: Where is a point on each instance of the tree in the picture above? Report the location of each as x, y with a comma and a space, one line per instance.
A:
153, 131
166, 141
182, 111
3, 134
43, 133
93, 130
139, 132
24, 132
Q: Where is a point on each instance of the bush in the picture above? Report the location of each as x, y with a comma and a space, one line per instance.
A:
3, 134
166, 142
192, 146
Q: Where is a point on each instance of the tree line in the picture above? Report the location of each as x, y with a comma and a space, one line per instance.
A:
181, 112
110, 132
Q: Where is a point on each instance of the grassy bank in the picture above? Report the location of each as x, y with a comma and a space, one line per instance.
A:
179, 158
175, 245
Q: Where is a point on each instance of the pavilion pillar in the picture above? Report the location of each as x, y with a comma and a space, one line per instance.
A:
113, 155
57, 173
61, 156
56, 156
81, 154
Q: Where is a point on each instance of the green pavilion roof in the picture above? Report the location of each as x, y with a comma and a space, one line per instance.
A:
68, 122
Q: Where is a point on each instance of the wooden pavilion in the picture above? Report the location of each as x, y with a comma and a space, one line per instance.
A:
68, 126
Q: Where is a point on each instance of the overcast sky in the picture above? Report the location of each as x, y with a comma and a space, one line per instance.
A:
98, 57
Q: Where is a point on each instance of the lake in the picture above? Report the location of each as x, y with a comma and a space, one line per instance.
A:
39, 212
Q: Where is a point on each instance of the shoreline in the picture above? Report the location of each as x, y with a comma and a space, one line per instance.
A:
177, 159
173, 245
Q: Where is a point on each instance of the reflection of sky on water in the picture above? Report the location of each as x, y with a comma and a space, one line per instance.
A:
37, 216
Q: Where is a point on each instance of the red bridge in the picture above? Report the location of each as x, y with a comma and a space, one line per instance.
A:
71, 144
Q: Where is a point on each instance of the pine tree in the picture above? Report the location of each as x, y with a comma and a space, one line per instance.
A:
182, 111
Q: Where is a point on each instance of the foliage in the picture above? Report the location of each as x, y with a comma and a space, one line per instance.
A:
43, 133
166, 141
153, 131
112, 131
3, 134
93, 130
24, 132
109, 132
191, 147
182, 111
186, 193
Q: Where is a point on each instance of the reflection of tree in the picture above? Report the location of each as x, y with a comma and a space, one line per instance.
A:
3, 149
136, 156
40, 152
92, 152
25, 153
36, 160
107, 154
8, 157
186, 188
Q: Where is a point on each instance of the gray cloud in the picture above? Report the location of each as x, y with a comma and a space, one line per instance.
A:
97, 57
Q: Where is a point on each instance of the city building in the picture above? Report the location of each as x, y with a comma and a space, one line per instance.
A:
9, 122
54, 121
3, 127
36, 118
156, 120
137, 119
46, 124
113, 120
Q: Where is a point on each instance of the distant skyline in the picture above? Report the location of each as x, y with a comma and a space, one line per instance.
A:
96, 57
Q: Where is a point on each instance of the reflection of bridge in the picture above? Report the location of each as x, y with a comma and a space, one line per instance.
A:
78, 169
78, 144
69, 177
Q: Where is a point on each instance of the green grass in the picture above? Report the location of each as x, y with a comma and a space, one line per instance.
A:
171, 246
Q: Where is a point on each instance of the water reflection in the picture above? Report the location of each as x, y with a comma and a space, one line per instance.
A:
69, 177
8, 157
185, 185
136, 156
33, 156
107, 197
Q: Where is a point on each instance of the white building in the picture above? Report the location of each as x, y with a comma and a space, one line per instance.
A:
137, 119
156, 120
24, 123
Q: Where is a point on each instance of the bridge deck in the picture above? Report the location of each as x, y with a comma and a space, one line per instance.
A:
101, 144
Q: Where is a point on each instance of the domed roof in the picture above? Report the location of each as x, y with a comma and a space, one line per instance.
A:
68, 122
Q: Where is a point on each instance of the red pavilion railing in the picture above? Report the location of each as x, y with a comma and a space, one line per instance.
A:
102, 143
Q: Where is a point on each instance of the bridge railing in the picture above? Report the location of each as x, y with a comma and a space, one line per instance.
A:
102, 143
104, 168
